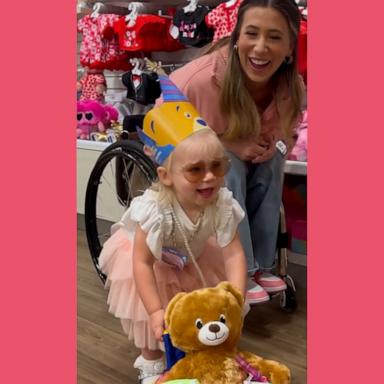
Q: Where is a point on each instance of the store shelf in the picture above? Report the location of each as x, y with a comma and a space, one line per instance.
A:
92, 145
296, 167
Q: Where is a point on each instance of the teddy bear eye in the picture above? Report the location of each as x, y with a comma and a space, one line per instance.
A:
199, 323
222, 318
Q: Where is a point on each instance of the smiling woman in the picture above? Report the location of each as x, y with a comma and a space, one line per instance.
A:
262, 46
248, 90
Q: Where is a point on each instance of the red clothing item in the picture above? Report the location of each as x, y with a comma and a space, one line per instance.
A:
302, 50
223, 19
89, 83
149, 33
96, 51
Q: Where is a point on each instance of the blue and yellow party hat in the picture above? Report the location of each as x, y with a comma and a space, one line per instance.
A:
167, 125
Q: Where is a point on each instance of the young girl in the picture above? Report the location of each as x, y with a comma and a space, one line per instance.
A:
180, 235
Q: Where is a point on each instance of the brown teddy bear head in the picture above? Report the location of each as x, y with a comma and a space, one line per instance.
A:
206, 318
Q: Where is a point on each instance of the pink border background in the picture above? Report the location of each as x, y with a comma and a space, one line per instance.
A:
38, 194
345, 189
38, 282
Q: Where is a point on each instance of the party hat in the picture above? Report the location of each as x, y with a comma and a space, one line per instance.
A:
170, 123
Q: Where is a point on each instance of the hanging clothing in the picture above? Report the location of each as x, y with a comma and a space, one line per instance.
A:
302, 50
144, 88
97, 51
89, 86
149, 33
193, 30
223, 19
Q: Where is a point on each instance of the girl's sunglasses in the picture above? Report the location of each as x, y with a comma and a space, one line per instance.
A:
195, 173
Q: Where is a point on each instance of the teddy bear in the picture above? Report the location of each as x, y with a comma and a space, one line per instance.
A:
91, 117
206, 325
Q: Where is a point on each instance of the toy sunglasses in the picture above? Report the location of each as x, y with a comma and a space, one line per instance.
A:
196, 172
87, 115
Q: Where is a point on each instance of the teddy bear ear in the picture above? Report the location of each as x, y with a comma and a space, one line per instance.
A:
230, 288
171, 306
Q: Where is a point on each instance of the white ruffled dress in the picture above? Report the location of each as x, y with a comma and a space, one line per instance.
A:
216, 230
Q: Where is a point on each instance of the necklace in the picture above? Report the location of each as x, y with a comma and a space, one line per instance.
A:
187, 241
191, 235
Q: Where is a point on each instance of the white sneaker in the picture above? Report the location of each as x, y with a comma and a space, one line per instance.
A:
149, 370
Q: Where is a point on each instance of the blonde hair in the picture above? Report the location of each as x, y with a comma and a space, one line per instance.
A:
237, 105
208, 143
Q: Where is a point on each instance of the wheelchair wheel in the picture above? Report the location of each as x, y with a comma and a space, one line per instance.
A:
121, 173
288, 301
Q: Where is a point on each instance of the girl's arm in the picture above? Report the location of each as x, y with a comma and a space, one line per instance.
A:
144, 276
235, 264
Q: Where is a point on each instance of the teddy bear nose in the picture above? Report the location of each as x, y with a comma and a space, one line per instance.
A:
214, 328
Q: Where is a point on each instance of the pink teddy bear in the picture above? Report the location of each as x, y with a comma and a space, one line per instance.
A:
91, 117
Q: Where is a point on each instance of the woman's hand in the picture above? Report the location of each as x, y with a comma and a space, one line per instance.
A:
156, 321
267, 154
254, 149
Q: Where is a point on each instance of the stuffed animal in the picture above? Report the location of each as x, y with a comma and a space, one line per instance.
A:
206, 324
111, 115
299, 151
91, 117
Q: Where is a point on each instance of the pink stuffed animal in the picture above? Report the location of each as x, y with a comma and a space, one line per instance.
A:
91, 117
299, 151
112, 114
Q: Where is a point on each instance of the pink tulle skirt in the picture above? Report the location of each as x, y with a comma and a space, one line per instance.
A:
123, 299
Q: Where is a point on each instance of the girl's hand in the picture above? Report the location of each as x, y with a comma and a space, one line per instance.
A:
156, 321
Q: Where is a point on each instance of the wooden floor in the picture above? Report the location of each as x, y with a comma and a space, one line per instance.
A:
106, 357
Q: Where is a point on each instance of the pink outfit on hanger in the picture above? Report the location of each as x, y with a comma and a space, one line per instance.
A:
89, 83
223, 19
97, 51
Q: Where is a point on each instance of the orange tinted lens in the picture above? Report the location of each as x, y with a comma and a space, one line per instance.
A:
195, 173
220, 167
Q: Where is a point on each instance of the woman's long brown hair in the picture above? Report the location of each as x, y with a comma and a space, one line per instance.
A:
235, 102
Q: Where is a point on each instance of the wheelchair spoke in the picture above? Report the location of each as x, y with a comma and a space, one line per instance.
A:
112, 189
